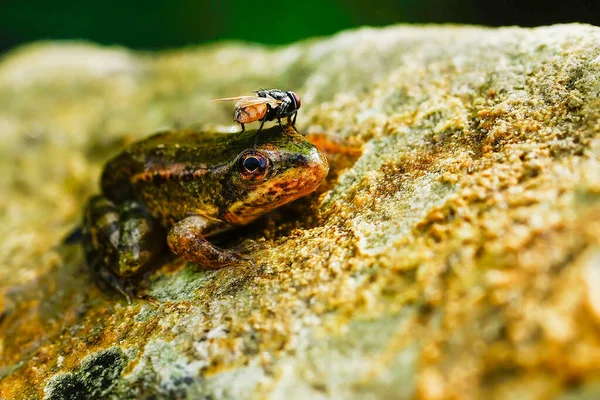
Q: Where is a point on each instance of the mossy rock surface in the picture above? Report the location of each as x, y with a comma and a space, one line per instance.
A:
453, 251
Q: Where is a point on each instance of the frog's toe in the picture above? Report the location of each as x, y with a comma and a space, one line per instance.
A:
150, 299
244, 257
122, 286
249, 246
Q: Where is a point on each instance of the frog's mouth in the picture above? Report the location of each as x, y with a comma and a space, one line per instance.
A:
297, 177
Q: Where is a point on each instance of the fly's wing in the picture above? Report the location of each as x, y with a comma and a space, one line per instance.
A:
248, 101
230, 98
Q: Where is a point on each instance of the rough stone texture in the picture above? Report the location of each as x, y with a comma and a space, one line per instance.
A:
452, 253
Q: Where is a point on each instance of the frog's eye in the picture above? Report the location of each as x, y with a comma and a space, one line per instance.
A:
253, 166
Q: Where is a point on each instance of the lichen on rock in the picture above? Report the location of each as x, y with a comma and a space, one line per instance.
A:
452, 252
94, 379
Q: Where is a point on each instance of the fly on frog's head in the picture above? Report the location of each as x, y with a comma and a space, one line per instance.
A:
265, 105
279, 169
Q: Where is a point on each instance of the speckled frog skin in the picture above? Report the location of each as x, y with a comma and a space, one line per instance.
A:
187, 186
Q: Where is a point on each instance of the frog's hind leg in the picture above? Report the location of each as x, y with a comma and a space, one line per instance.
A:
140, 239
100, 241
100, 229
186, 239
119, 241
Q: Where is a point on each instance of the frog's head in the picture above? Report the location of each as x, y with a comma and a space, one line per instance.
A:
279, 168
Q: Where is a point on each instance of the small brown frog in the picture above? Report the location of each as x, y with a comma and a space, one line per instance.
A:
188, 185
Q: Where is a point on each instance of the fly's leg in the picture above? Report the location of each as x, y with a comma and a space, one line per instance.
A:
242, 131
119, 241
266, 116
279, 116
292, 121
186, 239
262, 123
238, 116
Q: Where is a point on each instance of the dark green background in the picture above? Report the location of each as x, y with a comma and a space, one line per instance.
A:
155, 24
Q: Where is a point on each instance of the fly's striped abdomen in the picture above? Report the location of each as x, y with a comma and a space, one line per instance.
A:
246, 115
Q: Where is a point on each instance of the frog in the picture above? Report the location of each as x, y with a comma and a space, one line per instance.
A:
179, 188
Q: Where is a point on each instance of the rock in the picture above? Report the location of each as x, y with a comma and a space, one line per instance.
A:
451, 253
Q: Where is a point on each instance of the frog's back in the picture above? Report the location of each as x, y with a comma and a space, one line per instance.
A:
192, 148
172, 172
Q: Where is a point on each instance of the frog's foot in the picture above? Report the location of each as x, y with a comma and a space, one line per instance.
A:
121, 285
150, 299
186, 240
74, 236
249, 246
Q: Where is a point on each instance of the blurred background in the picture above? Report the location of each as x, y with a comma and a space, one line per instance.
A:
159, 24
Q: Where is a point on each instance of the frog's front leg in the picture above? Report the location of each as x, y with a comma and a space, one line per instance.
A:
186, 239
120, 241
